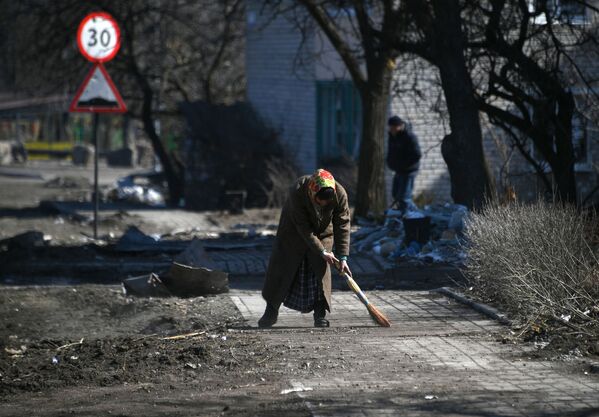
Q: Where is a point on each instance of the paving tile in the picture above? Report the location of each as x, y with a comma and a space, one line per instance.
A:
434, 347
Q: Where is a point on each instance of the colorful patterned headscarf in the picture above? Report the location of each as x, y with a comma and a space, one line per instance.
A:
319, 180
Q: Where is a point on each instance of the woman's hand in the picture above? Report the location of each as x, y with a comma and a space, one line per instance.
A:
329, 257
343, 268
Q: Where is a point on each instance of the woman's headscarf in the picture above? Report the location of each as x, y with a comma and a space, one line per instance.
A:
319, 180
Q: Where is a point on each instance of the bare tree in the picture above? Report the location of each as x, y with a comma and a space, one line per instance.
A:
369, 37
350, 28
517, 63
530, 60
172, 51
433, 31
371, 68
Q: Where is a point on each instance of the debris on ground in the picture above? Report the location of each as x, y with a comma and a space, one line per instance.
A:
146, 286
189, 281
296, 387
244, 236
194, 273
134, 240
139, 188
428, 235
195, 255
16, 352
27, 240
68, 182
255, 229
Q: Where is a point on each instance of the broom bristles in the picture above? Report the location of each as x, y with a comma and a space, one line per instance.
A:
376, 315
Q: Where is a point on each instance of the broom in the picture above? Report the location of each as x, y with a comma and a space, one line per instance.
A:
375, 314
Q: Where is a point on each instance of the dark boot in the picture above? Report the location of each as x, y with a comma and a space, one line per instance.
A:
320, 311
271, 314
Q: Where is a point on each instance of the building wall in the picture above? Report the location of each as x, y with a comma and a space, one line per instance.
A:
417, 98
280, 86
285, 94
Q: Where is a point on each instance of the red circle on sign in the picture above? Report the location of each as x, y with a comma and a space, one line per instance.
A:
82, 49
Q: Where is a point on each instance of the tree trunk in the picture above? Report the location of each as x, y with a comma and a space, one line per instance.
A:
174, 177
563, 169
462, 149
371, 193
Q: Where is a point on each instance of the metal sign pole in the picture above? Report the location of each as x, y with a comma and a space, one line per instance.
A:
96, 194
98, 39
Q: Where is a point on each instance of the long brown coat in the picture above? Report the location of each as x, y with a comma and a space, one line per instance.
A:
301, 232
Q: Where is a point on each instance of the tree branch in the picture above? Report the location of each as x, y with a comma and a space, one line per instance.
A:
329, 28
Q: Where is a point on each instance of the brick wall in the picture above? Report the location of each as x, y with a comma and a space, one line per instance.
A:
285, 95
417, 99
282, 92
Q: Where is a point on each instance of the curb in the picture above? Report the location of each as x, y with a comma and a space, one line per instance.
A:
18, 173
481, 308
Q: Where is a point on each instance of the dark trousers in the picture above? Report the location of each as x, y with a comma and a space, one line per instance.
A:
403, 186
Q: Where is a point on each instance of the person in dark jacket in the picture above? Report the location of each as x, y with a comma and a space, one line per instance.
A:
403, 157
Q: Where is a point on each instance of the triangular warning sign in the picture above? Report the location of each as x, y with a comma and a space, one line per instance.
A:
98, 94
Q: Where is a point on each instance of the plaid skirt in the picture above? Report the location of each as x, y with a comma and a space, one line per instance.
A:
306, 289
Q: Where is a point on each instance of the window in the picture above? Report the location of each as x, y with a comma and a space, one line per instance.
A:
566, 11
339, 119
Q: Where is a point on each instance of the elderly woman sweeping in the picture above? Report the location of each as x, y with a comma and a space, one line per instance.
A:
314, 218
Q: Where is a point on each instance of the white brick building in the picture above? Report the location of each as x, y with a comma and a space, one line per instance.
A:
308, 96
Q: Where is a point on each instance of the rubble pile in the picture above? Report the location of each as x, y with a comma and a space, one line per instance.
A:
428, 235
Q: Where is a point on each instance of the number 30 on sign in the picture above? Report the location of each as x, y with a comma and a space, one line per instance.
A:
99, 37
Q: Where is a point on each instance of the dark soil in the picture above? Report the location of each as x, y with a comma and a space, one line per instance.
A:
94, 335
555, 339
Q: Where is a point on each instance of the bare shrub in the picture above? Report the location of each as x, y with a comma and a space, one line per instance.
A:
536, 261
345, 171
230, 147
280, 175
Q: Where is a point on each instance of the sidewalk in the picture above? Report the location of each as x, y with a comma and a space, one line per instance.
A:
439, 358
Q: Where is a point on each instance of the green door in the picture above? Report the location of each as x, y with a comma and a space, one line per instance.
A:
339, 120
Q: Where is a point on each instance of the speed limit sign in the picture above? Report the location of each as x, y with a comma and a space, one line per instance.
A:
99, 37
